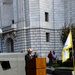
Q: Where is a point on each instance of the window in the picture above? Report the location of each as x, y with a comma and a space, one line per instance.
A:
47, 37
46, 16
5, 65
12, 21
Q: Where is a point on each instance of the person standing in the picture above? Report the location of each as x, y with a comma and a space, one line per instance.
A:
28, 57
50, 59
35, 55
54, 57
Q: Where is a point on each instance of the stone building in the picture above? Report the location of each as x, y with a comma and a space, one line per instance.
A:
34, 24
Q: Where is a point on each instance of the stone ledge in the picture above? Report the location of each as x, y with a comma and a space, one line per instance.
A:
63, 72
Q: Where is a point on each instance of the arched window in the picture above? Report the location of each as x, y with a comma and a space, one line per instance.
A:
10, 45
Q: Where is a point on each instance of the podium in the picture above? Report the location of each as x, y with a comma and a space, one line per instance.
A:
36, 66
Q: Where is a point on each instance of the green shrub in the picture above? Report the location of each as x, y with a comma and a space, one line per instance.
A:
68, 63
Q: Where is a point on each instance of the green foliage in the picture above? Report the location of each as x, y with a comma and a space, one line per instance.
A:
68, 63
65, 32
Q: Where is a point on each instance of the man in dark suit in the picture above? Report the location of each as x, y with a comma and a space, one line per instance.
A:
28, 57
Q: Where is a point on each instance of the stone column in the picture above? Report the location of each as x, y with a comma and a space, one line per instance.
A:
15, 10
21, 14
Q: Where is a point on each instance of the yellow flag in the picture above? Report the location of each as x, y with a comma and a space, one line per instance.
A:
68, 44
65, 55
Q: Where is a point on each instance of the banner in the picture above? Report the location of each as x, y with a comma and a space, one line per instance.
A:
68, 44
65, 55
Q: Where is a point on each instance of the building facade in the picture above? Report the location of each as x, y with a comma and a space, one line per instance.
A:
34, 24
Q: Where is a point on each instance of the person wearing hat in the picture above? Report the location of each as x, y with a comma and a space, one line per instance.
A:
28, 57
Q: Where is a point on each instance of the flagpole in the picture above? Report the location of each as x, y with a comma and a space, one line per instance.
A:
72, 48
73, 55
71, 32
73, 58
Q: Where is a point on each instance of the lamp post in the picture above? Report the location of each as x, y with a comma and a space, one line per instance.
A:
1, 39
